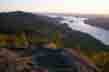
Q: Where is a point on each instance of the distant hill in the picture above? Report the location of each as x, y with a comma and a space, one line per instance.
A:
12, 22
102, 22
93, 19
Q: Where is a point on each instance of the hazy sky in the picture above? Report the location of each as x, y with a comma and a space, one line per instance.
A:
63, 6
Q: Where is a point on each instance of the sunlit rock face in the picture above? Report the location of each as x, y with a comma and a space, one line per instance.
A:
77, 23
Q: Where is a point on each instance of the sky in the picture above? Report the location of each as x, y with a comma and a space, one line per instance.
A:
58, 6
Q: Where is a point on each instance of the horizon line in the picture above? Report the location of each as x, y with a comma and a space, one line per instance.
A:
67, 13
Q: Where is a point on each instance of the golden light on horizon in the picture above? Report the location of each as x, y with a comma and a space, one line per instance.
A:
58, 6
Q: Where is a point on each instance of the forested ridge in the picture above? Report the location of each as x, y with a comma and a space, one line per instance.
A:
36, 24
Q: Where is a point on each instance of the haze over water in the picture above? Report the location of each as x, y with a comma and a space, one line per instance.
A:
77, 23
65, 6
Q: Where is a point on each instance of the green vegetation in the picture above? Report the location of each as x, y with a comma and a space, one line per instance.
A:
25, 29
